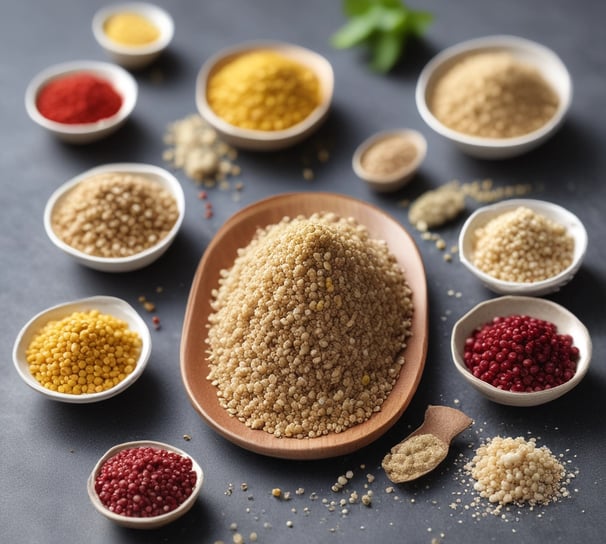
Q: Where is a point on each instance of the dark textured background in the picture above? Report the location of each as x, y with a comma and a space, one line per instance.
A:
48, 449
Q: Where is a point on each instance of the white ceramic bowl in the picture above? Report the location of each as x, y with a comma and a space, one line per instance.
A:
134, 56
84, 133
106, 305
262, 140
546, 61
540, 308
553, 212
132, 262
143, 523
398, 179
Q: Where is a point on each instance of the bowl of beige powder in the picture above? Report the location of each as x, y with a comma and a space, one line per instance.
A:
495, 97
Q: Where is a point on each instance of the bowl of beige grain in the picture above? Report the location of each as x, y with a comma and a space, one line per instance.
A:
523, 246
495, 97
116, 217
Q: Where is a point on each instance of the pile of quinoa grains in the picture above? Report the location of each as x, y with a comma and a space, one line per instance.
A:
115, 214
308, 327
493, 95
85, 352
145, 481
263, 90
520, 353
522, 246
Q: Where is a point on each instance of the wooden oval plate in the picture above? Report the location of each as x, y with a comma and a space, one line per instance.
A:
236, 233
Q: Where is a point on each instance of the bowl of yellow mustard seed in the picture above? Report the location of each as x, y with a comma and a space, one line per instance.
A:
133, 34
523, 246
116, 217
264, 96
495, 97
83, 351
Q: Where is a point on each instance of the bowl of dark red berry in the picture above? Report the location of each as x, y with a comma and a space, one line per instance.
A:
521, 351
144, 484
81, 101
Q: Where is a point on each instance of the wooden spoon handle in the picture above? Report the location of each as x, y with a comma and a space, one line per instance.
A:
444, 422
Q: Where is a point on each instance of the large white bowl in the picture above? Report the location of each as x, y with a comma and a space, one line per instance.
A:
540, 308
545, 60
134, 56
553, 212
84, 133
106, 305
144, 523
132, 262
266, 140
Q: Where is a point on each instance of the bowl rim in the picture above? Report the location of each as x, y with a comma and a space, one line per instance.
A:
158, 15
535, 307
573, 225
169, 181
155, 521
419, 141
492, 42
320, 63
114, 306
111, 73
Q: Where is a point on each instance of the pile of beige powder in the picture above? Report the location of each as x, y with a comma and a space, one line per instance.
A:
308, 327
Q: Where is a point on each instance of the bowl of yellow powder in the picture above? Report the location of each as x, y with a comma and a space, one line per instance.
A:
495, 97
265, 95
133, 34
83, 351
523, 246
116, 217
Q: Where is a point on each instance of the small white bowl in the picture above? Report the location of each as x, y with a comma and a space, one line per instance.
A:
398, 179
84, 133
106, 305
134, 56
545, 60
144, 523
132, 262
265, 140
539, 308
555, 213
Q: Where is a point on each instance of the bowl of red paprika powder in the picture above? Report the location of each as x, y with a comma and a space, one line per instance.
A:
521, 351
81, 101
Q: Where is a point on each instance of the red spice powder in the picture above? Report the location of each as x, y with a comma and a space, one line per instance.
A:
78, 98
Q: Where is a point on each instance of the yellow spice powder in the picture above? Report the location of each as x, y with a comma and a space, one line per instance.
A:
131, 29
263, 90
85, 352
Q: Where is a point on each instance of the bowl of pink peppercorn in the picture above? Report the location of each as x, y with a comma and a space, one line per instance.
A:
144, 484
521, 351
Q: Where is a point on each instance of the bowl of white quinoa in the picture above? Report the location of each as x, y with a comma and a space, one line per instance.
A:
495, 97
116, 217
274, 352
523, 246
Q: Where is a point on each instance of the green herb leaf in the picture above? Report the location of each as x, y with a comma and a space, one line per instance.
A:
386, 50
383, 26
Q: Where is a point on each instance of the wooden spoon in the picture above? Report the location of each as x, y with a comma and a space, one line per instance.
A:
426, 447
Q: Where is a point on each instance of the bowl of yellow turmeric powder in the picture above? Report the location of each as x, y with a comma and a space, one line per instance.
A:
83, 351
265, 95
133, 34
